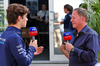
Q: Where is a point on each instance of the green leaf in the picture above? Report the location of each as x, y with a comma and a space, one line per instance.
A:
94, 19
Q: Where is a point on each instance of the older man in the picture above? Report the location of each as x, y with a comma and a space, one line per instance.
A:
84, 46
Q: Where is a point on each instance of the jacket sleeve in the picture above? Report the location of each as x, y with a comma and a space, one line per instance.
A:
90, 53
22, 56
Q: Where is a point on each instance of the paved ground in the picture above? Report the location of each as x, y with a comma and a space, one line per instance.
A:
49, 65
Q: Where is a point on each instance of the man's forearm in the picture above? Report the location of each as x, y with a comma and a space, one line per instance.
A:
66, 53
56, 23
63, 49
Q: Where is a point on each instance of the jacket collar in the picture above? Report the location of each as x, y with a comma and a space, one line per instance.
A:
16, 30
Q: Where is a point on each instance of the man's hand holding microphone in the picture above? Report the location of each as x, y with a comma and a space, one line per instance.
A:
67, 37
33, 42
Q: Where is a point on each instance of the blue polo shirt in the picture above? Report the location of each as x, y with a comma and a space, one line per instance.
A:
12, 49
67, 20
86, 48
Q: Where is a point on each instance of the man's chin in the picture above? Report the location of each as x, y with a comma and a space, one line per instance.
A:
24, 27
74, 27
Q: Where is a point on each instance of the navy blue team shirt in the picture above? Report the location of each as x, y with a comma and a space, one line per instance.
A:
86, 48
12, 49
67, 20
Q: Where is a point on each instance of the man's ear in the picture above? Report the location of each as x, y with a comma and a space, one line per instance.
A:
19, 18
83, 19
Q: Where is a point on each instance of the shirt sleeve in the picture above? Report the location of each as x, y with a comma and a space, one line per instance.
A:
90, 53
47, 13
22, 56
38, 13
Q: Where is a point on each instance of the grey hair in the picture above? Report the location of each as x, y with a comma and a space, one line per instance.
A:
82, 12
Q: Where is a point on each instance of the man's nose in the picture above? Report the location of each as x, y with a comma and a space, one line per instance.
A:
27, 19
71, 20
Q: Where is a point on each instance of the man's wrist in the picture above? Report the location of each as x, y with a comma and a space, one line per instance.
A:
73, 49
33, 46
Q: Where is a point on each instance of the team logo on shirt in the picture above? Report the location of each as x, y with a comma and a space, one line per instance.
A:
2, 40
20, 49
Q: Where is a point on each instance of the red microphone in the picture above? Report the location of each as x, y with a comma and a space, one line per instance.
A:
32, 32
67, 36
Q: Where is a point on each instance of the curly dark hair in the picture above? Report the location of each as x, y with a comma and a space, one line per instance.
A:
15, 10
68, 7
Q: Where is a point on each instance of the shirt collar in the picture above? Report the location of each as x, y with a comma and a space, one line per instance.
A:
69, 13
83, 31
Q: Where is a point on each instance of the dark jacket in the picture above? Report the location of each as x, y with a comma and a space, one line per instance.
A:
12, 49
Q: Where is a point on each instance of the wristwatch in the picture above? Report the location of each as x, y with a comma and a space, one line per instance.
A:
73, 49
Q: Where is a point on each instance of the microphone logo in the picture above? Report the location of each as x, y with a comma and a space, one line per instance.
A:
32, 31
67, 36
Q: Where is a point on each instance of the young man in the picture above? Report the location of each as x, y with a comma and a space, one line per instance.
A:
67, 25
12, 47
84, 46
43, 15
68, 10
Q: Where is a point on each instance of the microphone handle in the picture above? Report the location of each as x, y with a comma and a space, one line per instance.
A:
33, 38
67, 41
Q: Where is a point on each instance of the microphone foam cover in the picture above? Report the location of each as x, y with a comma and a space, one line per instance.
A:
66, 36
32, 31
